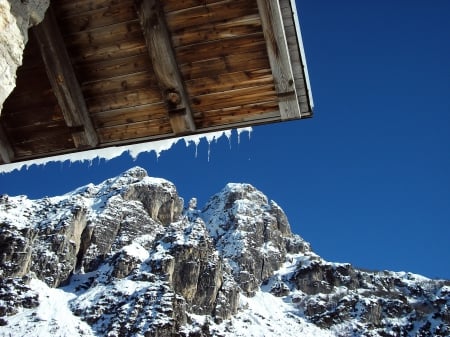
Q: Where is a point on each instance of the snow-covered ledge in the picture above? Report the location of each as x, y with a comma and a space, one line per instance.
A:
16, 16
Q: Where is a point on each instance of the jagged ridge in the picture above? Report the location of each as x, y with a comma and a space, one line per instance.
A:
130, 260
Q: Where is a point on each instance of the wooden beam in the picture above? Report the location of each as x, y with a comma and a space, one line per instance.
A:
64, 82
162, 55
278, 52
6, 150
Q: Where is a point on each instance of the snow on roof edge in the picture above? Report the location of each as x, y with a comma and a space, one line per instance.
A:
302, 50
109, 153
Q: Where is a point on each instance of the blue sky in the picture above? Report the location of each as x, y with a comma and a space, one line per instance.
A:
367, 179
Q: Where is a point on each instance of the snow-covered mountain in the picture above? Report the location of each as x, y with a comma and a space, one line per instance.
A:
128, 258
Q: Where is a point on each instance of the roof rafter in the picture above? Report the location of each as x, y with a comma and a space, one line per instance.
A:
64, 82
162, 55
278, 52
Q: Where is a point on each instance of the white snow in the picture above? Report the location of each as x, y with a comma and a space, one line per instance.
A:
265, 315
133, 150
137, 251
52, 318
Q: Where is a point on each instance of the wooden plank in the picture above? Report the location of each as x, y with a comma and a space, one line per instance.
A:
134, 131
45, 146
6, 150
212, 49
165, 65
103, 52
113, 67
64, 81
176, 5
298, 64
111, 34
120, 83
194, 17
32, 133
28, 99
65, 8
113, 14
42, 115
225, 64
264, 118
246, 112
232, 98
279, 58
234, 27
130, 115
229, 81
123, 99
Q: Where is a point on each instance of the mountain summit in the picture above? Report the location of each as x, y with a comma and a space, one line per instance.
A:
127, 257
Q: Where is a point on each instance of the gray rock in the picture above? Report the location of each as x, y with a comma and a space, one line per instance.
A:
15, 19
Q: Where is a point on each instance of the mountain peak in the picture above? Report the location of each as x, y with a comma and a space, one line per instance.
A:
135, 172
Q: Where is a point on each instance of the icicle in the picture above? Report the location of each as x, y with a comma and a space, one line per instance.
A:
228, 134
241, 130
192, 139
133, 150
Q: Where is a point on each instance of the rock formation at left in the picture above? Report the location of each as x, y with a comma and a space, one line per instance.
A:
16, 17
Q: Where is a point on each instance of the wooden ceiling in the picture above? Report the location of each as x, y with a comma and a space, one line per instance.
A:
99, 73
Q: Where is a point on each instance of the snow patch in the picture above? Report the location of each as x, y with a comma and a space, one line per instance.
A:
52, 318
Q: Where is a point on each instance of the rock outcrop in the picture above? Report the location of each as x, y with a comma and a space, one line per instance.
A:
15, 19
130, 261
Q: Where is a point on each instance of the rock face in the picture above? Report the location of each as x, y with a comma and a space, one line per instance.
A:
15, 19
251, 232
130, 261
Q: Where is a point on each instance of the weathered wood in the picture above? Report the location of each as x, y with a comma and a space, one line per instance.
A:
229, 81
149, 70
234, 27
128, 30
212, 49
278, 52
123, 99
235, 114
31, 133
41, 115
63, 80
239, 121
225, 64
165, 66
113, 14
176, 5
197, 16
53, 144
6, 150
110, 68
119, 84
129, 115
71, 8
135, 130
297, 62
232, 98
120, 49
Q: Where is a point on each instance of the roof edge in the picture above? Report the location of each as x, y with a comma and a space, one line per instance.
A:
302, 50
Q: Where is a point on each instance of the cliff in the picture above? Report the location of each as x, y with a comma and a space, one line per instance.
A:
15, 19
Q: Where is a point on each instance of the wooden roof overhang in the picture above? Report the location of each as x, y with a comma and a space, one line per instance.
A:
99, 73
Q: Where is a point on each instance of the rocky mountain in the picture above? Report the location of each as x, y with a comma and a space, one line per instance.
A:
127, 257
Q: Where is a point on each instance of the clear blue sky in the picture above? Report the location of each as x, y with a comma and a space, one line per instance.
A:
367, 180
